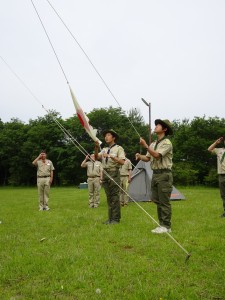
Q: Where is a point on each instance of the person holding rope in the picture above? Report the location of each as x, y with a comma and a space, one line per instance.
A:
220, 152
112, 157
160, 154
44, 178
94, 174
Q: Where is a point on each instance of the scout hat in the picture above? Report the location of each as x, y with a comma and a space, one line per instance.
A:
166, 124
113, 133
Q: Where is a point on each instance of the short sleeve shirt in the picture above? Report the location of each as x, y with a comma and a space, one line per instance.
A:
125, 168
44, 168
220, 163
114, 150
165, 148
93, 168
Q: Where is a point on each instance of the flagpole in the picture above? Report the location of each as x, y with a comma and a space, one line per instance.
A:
149, 119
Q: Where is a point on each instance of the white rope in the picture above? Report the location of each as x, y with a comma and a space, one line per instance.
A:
74, 141
188, 254
64, 130
83, 151
92, 64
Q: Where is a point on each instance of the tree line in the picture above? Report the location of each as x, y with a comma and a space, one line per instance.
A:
20, 144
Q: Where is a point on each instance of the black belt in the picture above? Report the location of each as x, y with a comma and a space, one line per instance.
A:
161, 171
124, 175
43, 176
93, 176
222, 174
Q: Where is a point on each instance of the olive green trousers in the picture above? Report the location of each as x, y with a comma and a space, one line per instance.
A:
162, 185
222, 188
112, 190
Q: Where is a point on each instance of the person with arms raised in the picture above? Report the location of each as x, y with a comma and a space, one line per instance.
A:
160, 154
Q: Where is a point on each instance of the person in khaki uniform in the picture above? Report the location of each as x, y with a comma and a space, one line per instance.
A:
94, 174
125, 179
44, 179
160, 154
112, 157
220, 152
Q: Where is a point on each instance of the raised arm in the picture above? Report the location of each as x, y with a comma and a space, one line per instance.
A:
153, 153
213, 146
34, 162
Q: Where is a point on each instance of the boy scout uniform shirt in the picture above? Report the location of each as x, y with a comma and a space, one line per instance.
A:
44, 168
124, 169
220, 159
114, 150
165, 148
93, 168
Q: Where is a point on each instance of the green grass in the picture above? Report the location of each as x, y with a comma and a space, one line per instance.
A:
79, 254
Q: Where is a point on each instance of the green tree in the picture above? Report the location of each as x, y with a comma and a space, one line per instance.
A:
12, 136
20, 143
191, 140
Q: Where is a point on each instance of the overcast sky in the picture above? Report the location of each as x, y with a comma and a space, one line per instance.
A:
169, 52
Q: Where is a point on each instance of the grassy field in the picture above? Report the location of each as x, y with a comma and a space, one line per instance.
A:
67, 253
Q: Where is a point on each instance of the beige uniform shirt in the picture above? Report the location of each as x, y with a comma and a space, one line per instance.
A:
44, 168
124, 169
116, 151
165, 148
220, 165
93, 168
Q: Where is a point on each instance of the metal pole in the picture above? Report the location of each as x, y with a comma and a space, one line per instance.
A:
149, 110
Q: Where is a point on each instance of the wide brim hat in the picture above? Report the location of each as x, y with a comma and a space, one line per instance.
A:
113, 133
165, 123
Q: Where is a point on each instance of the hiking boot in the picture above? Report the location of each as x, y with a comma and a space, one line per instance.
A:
161, 229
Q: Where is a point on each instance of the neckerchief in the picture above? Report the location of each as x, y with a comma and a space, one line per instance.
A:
222, 158
156, 144
106, 160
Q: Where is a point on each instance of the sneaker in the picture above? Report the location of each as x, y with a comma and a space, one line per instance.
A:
40, 209
47, 208
223, 215
161, 229
155, 230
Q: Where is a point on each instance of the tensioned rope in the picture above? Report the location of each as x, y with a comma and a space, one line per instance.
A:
188, 255
92, 64
58, 60
65, 131
83, 151
86, 55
